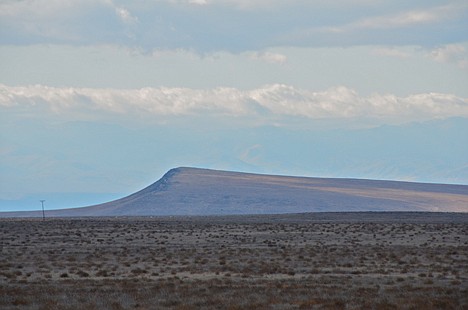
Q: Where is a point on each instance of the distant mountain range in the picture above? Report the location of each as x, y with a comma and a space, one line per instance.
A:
193, 191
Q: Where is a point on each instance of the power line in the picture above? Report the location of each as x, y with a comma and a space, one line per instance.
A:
43, 214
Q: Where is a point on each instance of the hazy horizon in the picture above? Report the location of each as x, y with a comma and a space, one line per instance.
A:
99, 99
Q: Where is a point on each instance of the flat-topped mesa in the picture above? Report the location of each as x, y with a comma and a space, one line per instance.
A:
195, 191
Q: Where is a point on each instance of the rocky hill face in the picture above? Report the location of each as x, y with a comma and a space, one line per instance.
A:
193, 191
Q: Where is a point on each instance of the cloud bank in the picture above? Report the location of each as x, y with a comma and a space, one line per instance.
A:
275, 101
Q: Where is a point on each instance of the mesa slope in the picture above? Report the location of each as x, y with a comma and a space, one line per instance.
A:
194, 191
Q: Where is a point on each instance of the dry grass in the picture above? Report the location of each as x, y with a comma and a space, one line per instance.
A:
260, 262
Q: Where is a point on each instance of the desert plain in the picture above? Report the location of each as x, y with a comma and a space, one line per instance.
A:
362, 260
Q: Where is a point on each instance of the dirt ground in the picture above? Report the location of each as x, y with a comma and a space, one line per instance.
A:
300, 261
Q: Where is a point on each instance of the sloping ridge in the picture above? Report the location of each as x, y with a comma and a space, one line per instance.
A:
194, 191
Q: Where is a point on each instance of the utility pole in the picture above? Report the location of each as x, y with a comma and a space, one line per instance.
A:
43, 214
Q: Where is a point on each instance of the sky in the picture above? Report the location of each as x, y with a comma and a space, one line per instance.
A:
99, 98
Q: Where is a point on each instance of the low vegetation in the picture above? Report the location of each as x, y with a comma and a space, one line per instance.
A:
256, 262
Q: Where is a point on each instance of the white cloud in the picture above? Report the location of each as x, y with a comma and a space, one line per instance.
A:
402, 19
125, 15
269, 102
274, 58
190, 2
409, 18
451, 53
198, 2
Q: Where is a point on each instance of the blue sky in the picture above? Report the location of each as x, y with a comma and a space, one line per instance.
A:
100, 98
